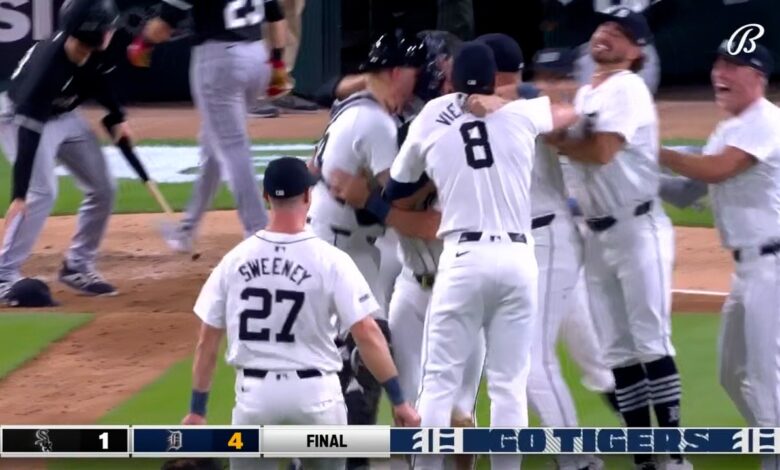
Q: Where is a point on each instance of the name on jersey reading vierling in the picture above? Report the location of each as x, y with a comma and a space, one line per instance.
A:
274, 267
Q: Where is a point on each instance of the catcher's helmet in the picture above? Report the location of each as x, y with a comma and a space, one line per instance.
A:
392, 50
88, 20
439, 46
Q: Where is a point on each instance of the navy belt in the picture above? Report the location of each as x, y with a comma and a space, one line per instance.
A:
763, 251
542, 221
425, 280
261, 373
477, 236
599, 224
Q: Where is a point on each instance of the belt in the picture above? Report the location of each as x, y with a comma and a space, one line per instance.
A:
425, 280
770, 249
599, 224
261, 373
542, 221
477, 236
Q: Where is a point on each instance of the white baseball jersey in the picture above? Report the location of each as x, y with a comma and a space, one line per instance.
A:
621, 105
548, 192
747, 206
362, 136
275, 294
481, 166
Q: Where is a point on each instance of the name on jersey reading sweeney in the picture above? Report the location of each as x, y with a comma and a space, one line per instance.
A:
275, 266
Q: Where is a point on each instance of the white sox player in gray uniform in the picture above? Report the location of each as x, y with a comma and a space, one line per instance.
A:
487, 271
229, 68
275, 295
741, 163
629, 245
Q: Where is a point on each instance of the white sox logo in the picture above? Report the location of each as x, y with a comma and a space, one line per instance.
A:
747, 35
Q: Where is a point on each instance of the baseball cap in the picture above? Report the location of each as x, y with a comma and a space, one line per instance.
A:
474, 69
759, 58
29, 292
634, 24
507, 52
555, 60
287, 177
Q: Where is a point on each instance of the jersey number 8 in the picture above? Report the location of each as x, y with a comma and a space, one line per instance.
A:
265, 296
475, 137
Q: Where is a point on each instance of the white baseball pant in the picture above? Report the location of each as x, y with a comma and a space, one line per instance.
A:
749, 346
286, 399
490, 284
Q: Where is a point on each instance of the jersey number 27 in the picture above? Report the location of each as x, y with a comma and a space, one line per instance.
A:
267, 301
475, 138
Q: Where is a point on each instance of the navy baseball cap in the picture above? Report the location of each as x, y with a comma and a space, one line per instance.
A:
555, 60
633, 24
507, 52
287, 177
29, 292
474, 69
758, 58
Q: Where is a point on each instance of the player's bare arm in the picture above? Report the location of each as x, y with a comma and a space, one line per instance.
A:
375, 353
204, 363
710, 169
598, 147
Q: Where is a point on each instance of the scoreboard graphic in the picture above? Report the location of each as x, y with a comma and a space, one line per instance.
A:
370, 441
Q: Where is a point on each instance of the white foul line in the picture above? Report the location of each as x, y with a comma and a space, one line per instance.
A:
700, 292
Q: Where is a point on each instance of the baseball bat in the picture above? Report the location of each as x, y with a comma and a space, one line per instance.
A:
127, 150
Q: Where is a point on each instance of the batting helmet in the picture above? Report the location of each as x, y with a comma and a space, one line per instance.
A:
439, 47
88, 20
392, 50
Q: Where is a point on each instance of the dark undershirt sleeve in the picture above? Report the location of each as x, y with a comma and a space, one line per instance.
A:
25, 158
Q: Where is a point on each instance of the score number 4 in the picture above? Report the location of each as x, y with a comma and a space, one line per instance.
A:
235, 441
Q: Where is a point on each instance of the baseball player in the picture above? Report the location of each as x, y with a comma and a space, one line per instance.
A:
39, 126
741, 164
487, 271
273, 294
629, 246
229, 68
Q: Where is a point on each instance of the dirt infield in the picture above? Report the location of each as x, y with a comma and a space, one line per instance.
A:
148, 327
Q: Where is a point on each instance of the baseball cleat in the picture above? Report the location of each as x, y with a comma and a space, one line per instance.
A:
87, 282
645, 466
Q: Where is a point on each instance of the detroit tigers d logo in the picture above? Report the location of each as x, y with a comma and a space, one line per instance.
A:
744, 38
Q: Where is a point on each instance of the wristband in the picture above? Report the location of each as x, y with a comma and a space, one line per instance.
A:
198, 402
393, 389
276, 54
377, 205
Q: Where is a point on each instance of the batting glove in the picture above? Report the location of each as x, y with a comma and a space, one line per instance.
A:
139, 52
281, 81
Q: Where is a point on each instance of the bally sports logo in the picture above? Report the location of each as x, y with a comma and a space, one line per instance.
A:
744, 39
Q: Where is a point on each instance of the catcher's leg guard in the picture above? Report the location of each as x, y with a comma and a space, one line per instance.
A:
361, 390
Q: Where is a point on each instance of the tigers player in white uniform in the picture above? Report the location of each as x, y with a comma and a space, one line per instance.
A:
274, 294
487, 271
629, 247
741, 163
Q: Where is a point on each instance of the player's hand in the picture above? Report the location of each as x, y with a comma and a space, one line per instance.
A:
122, 130
406, 416
482, 105
281, 82
17, 207
352, 189
194, 420
139, 52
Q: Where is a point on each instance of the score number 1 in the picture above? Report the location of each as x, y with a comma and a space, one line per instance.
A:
235, 441
104, 440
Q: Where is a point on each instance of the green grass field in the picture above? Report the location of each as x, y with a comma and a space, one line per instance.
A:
24, 335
